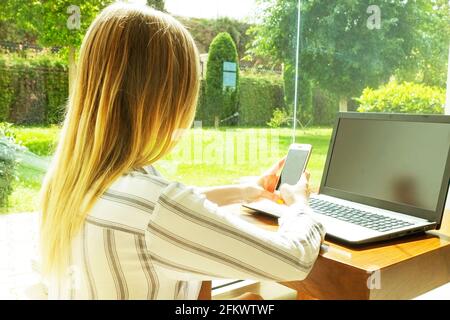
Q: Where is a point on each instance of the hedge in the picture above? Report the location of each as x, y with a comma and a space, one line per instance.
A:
406, 97
32, 91
258, 98
220, 102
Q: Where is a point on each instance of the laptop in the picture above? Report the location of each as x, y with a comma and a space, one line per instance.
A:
386, 176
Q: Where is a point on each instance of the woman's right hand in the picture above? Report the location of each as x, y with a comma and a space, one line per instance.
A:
298, 193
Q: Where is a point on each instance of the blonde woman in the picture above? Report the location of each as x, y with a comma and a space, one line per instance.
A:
112, 227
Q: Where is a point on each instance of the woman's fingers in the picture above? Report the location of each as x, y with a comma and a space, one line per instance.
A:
269, 183
297, 192
270, 195
254, 193
269, 179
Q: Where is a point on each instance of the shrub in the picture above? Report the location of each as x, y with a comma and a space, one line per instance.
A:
8, 162
406, 97
201, 112
258, 98
280, 118
33, 90
39, 140
326, 106
220, 101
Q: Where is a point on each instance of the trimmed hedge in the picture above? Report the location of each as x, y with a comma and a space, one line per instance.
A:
220, 102
406, 97
258, 98
33, 91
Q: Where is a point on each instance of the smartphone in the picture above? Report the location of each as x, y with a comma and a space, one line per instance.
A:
295, 164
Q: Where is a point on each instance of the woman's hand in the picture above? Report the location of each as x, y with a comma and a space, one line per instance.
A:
252, 193
269, 179
225, 195
298, 193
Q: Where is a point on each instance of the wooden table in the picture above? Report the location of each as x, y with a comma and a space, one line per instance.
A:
401, 269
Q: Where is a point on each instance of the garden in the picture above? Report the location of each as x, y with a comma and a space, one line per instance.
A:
247, 93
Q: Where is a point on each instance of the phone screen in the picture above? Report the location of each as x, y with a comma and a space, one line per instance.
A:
293, 167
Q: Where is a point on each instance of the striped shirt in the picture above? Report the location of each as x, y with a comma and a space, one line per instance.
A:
148, 238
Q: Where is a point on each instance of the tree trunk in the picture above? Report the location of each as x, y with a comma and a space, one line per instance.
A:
343, 104
72, 68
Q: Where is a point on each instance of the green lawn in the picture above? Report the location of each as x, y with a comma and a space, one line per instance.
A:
203, 157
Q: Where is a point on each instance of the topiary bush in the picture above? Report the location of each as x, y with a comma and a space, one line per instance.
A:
201, 111
406, 97
258, 98
220, 102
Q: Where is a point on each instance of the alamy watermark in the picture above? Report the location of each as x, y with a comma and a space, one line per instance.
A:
228, 146
374, 20
374, 280
74, 19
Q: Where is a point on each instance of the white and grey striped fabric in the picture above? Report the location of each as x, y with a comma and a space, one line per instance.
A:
147, 238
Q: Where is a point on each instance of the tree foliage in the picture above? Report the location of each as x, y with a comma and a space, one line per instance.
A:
157, 4
48, 20
204, 30
342, 55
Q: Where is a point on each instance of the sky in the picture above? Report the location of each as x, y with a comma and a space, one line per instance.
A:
238, 9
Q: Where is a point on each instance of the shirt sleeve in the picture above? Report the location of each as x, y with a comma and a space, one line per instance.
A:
191, 238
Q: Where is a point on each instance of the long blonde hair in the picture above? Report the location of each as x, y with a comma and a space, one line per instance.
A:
137, 84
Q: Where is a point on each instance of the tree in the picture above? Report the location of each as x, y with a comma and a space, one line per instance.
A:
220, 101
157, 4
429, 61
65, 23
342, 48
204, 30
9, 30
60, 23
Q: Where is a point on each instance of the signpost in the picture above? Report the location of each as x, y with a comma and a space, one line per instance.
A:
229, 75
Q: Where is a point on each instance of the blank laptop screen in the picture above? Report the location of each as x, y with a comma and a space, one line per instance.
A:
396, 161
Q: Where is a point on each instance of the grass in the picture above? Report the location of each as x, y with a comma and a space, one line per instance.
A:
39, 140
203, 157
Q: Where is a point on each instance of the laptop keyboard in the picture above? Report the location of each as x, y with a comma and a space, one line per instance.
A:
361, 218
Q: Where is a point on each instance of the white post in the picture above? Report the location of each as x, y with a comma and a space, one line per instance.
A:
447, 106
296, 72
447, 103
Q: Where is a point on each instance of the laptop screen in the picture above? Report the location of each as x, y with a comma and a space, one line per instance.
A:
399, 162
